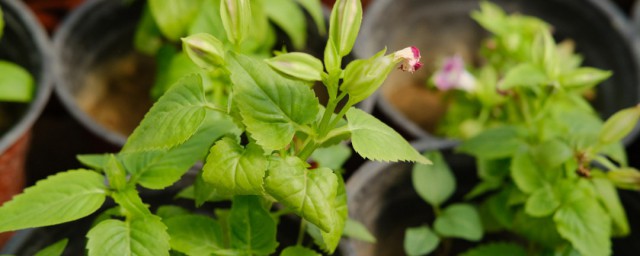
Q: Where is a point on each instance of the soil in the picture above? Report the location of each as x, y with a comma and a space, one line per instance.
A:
116, 93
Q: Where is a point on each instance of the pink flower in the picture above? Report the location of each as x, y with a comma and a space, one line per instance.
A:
410, 58
453, 75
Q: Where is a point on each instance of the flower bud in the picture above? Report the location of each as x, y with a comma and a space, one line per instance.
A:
298, 65
453, 75
236, 19
204, 50
346, 18
626, 178
619, 125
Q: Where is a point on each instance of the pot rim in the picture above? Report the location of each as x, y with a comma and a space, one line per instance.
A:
44, 80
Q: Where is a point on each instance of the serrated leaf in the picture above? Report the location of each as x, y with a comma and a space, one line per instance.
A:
309, 193
174, 17
55, 249
130, 202
60, 198
542, 202
194, 234
116, 174
494, 249
158, 169
459, 221
374, 140
435, 183
298, 251
420, 241
205, 192
287, 15
173, 119
146, 236
608, 196
236, 170
272, 107
586, 225
493, 143
16, 84
357, 230
328, 241
253, 230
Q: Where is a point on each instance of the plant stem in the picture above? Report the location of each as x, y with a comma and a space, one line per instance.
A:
303, 228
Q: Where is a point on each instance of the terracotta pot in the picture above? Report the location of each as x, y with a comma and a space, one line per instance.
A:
442, 28
23, 42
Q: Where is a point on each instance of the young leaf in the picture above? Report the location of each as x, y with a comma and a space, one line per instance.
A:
298, 65
55, 249
309, 193
344, 26
116, 173
552, 153
332, 157
583, 78
205, 192
173, 119
357, 230
493, 143
236, 18
174, 16
60, 198
619, 125
435, 183
375, 140
94, 161
586, 225
328, 241
526, 173
273, 107
525, 75
16, 84
298, 251
460, 221
194, 234
253, 230
420, 241
166, 212
131, 203
148, 38
608, 196
543, 202
146, 236
496, 249
236, 170
287, 15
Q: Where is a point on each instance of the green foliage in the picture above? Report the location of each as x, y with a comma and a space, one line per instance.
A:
298, 251
435, 183
493, 143
420, 241
286, 15
16, 84
234, 169
194, 234
146, 236
253, 230
357, 230
461, 221
174, 17
56, 249
496, 249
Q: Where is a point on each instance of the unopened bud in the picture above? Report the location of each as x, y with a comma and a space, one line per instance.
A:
204, 50
236, 19
346, 18
298, 65
626, 178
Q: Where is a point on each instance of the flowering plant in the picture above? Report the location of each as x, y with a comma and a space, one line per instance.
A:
548, 165
256, 150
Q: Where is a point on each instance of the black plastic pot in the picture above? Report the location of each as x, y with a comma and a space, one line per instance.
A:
24, 43
101, 79
442, 28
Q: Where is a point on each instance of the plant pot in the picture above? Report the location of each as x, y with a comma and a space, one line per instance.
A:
442, 28
102, 80
24, 42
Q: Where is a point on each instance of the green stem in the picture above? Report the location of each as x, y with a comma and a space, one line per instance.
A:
303, 228
307, 150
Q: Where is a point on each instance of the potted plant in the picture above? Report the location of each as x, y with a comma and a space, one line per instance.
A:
24, 89
548, 167
446, 29
255, 151
133, 54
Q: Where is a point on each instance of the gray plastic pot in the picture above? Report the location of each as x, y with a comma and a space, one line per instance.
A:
442, 27
25, 43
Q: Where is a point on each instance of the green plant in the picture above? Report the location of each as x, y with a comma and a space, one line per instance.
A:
549, 166
255, 150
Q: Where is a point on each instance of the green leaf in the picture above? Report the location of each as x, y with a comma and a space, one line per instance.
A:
94, 161
544, 52
16, 84
148, 38
170, 68
298, 251
169, 211
194, 234
493, 143
287, 15
1, 23
314, 8
543, 202
586, 225
161, 168
236, 19
525, 74
459, 221
608, 196
131, 204
583, 78
146, 236
174, 17
60, 198
552, 153
357, 230
420, 241
344, 26
525, 173
236, 170
116, 173
173, 119
332, 157
209, 21
205, 192
253, 230
539, 230
298, 65
435, 183
374, 140
619, 125
55, 249
328, 241
493, 249
273, 107
309, 193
